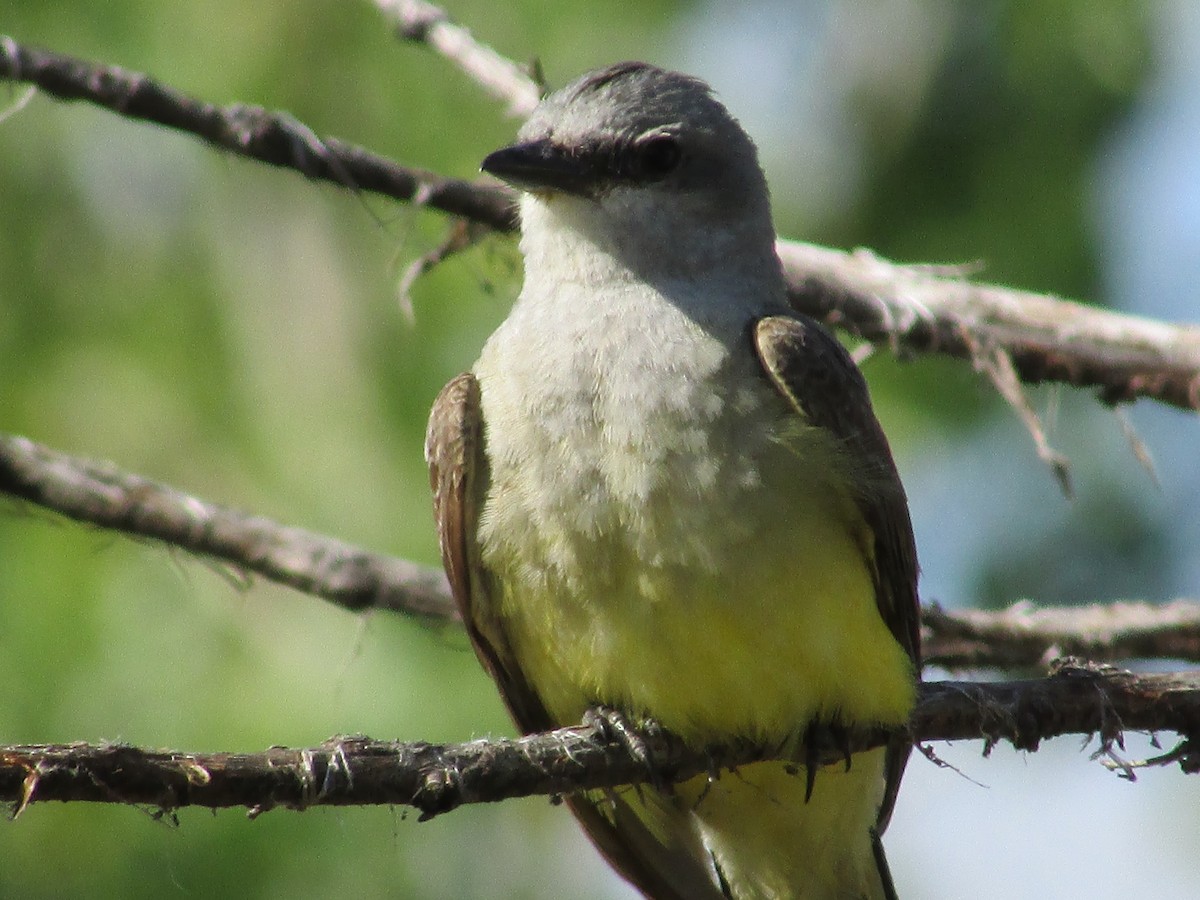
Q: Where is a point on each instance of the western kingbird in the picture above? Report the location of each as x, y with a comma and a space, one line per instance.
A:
663, 492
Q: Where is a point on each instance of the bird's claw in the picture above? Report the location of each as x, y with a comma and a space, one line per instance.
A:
618, 728
820, 737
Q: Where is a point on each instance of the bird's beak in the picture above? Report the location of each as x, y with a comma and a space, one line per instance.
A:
539, 166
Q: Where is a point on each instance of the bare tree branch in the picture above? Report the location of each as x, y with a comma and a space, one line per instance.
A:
917, 310
437, 778
251, 131
913, 309
1025, 635
100, 494
417, 20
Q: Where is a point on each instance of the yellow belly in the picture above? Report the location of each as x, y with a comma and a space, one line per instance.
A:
711, 573
783, 627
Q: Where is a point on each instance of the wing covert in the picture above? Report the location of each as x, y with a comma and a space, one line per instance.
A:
458, 475
817, 376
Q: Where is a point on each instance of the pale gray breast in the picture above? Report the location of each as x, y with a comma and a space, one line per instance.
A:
630, 423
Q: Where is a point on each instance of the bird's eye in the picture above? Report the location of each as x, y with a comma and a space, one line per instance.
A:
658, 156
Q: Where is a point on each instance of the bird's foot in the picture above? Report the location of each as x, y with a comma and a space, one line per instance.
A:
821, 740
618, 728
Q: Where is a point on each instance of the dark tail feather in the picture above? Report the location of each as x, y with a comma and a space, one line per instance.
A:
885, 874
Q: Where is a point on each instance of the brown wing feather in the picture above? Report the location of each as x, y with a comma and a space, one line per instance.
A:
816, 374
677, 869
458, 474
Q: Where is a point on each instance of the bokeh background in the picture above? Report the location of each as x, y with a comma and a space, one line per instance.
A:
236, 331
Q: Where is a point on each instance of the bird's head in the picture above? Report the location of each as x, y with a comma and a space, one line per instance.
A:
643, 164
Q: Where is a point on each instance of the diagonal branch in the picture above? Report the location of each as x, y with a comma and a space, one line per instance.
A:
417, 20
100, 494
251, 131
913, 309
437, 778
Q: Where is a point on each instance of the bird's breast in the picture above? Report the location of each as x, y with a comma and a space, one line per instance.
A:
662, 532
623, 445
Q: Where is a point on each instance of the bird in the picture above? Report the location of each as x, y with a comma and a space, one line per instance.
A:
662, 495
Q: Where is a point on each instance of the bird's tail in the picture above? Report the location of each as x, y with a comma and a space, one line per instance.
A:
767, 842
887, 889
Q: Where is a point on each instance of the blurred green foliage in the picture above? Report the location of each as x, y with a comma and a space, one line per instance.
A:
995, 166
234, 331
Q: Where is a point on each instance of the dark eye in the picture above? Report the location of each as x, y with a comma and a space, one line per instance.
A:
658, 156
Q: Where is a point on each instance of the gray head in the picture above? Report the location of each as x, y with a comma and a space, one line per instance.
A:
643, 162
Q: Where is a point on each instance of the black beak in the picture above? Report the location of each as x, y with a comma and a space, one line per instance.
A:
544, 166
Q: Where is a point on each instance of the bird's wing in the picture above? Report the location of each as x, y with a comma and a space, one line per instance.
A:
818, 377
458, 475
644, 834
647, 835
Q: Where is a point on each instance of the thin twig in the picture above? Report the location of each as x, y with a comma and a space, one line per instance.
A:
17, 104
461, 234
1185, 754
997, 365
416, 20
1137, 446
